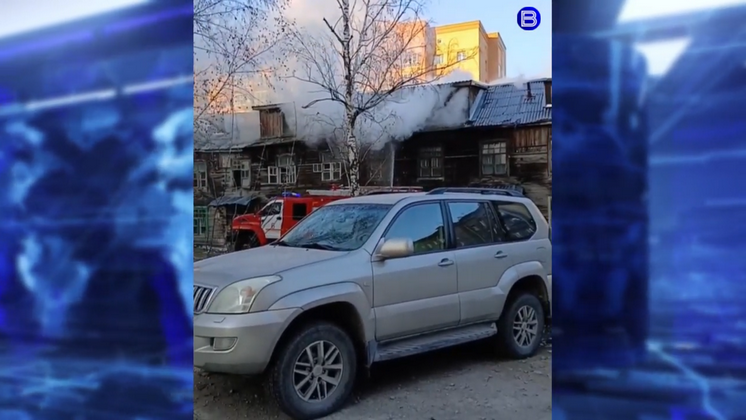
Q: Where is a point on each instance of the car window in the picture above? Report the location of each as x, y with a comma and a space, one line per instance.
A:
299, 211
472, 223
516, 219
341, 227
423, 224
271, 209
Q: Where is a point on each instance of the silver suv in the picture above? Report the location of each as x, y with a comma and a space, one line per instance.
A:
374, 278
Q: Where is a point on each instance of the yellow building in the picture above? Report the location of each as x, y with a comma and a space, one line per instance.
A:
472, 49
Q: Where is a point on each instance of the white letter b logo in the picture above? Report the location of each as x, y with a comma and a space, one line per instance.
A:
528, 19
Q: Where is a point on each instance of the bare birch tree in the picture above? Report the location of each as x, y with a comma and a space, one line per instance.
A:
373, 50
237, 43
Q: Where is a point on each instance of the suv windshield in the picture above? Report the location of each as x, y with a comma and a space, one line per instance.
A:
340, 227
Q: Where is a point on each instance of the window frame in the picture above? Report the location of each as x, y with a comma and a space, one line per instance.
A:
286, 173
243, 166
295, 206
444, 219
205, 218
440, 158
200, 172
482, 154
462, 55
493, 219
329, 168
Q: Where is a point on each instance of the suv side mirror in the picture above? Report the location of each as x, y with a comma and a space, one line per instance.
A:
395, 248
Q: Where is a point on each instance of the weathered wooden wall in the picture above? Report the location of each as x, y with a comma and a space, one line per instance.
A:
528, 155
375, 171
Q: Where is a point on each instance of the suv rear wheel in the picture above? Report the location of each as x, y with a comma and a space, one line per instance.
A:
520, 328
314, 372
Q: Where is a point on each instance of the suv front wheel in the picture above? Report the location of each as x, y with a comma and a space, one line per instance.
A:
521, 327
314, 372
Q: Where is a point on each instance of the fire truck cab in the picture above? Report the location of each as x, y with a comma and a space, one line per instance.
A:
282, 213
273, 220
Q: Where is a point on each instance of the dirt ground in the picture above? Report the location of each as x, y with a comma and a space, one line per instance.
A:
461, 383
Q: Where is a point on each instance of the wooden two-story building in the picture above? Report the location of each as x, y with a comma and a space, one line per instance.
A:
507, 140
243, 159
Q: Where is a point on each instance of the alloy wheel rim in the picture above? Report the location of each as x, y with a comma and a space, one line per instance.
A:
525, 326
318, 371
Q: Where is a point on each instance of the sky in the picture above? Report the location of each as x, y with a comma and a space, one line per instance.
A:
529, 53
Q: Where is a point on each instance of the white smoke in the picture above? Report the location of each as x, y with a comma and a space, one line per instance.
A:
314, 118
522, 79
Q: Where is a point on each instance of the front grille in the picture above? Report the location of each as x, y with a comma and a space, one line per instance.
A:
201, 298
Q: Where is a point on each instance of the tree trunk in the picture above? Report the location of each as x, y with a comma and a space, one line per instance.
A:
353, 163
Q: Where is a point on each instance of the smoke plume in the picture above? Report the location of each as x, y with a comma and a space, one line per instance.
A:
316, 119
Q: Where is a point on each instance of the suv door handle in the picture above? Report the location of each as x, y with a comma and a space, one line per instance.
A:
499, 254
445, 262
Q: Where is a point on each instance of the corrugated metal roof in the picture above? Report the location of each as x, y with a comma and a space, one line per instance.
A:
509, 104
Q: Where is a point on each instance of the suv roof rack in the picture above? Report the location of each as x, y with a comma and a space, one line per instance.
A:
392, 190
475, 190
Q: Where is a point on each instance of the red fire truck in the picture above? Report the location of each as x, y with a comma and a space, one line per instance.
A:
282, 213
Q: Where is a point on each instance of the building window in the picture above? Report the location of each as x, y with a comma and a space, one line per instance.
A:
283, 173
200, 175
411, 59
438, 60
430, 162
200, 221
329, 168
494, 158
461, 56
240, 173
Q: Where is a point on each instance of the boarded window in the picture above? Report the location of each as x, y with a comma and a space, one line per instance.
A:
271, 123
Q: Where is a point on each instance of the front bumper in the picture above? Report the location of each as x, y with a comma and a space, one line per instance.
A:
238, 344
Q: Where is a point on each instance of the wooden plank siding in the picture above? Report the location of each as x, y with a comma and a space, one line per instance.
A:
527, 151
306, 162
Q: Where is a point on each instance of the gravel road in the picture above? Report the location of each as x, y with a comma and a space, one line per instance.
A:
461, 383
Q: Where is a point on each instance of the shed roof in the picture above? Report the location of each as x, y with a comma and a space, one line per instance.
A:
510, 104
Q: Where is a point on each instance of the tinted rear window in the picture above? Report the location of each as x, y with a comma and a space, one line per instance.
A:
516, 219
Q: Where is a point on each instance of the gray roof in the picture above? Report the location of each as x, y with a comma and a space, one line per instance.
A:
509, 104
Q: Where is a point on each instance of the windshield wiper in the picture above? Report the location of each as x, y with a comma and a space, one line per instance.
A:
317, 245
280, 243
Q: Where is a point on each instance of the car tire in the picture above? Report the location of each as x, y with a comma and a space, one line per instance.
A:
284, 373
243, 241
523, 316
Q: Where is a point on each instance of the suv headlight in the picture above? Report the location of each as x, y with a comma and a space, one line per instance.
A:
238, 297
